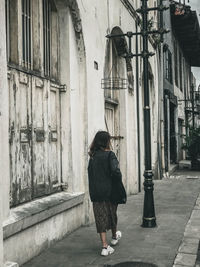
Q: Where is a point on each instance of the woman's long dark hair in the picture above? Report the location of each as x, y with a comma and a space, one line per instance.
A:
101, 141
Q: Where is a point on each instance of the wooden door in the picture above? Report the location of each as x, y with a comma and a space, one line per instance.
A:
35, 153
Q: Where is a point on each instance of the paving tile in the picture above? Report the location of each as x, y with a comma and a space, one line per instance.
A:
185, 259
191, 240
188, 248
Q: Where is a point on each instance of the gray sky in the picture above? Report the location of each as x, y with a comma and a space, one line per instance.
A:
195, 5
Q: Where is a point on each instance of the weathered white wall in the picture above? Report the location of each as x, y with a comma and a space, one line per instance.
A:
112, 14
4, 117
72, 73
75, 110
4, 150
63, 14
31, 241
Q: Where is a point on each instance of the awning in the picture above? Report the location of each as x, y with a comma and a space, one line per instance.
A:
186, 28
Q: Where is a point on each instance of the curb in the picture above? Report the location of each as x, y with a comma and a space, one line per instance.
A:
188, 249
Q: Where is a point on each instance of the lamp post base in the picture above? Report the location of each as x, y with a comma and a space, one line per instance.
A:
149, 218
149, 222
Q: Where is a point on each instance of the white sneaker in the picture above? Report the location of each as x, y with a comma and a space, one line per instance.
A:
114, 241
107, 251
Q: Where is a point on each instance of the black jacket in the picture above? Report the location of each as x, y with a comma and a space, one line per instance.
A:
102, 168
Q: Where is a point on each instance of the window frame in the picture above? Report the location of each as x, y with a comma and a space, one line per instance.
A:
46, 17
26, 26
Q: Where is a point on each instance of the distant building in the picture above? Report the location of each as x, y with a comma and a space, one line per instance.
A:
181, 52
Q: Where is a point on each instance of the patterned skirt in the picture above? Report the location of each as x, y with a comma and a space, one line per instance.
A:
105, 214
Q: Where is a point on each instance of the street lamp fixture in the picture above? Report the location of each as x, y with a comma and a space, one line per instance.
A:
149, 218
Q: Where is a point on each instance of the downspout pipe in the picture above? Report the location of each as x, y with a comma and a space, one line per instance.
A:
138, 109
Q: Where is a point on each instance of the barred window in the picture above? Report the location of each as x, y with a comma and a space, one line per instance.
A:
168, 66
47, 36
26, 33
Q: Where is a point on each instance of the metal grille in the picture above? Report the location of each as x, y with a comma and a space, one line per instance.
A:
47, 36
26, 33
114, 83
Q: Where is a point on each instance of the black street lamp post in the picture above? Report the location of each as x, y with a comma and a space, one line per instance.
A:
149, 218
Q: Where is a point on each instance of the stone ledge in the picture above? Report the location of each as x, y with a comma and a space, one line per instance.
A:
36, 211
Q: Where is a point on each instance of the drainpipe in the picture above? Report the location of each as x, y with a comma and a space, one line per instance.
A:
161, 102
138, 110
161, 148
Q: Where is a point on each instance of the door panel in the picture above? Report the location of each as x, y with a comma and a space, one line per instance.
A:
54, 138
20, 137
39, 144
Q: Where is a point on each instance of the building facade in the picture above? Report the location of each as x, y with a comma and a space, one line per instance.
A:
59, 64
57, 94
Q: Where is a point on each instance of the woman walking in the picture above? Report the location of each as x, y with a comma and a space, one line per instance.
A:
104, 174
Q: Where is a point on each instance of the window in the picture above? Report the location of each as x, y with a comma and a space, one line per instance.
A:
26, 33
112, 70
176, 63
29, 46
168, 66
7, 29
46, 36
50, 40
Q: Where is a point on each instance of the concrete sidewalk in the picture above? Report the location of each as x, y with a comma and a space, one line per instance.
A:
175, 239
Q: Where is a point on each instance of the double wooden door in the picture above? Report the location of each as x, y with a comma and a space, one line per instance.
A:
35, 157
